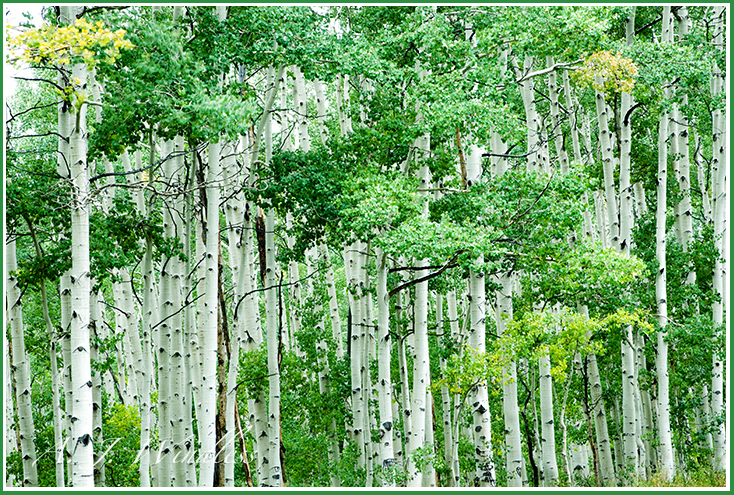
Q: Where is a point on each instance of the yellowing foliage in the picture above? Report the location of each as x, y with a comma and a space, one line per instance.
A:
82, 41
617, 73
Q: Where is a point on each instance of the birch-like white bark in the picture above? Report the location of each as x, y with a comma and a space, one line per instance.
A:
485, 472
96, 324
514, 457
209, 323
556, 130
548, 439
607, 157
81, 376
387, 455
65, 299
22, 370
718, 86
667, 466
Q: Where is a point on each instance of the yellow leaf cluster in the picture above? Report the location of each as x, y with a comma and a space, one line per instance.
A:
616, 72
82, 41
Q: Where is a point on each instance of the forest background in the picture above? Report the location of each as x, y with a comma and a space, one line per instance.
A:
367, 246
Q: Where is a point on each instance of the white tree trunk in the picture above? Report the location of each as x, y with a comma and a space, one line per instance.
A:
485, 473
22, 371
719, 278
556, 130
65, 299
173, 228
548, 439
503, 314
81, 376
384, 382
97, 323
667, 466
607, 154
210, 324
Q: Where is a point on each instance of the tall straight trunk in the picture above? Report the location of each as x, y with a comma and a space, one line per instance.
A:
178, 400
142, 348
718, 86
273, 344
456, 336
234, 219
503, 314
548, 439
81, 376
189, 337
667, 466
420, 379
325, 385
355, 344
65, 300
484, 474
22, 371
421, 363
96, 324
368, 352
273, 330
11, 434
448, 438
629, 400
162, 342
630, 405
387, 456
209, 324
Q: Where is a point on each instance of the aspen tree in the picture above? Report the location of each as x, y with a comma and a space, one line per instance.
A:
209, 322
22, 370
81, 378
667, 467
630, 419
719, 176
53, 359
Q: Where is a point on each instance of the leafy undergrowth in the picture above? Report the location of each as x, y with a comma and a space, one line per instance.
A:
704, 477
701, 477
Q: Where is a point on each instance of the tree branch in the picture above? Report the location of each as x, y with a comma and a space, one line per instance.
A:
426, 277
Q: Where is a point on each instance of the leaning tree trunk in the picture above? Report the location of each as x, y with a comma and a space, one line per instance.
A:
22, 370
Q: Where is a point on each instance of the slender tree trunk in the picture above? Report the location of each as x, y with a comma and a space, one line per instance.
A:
96, 324
511, 411
387, 456
548, 439
65, 299
22, 370
81, 377
484, 473
667, 466
719, 277
207, 423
